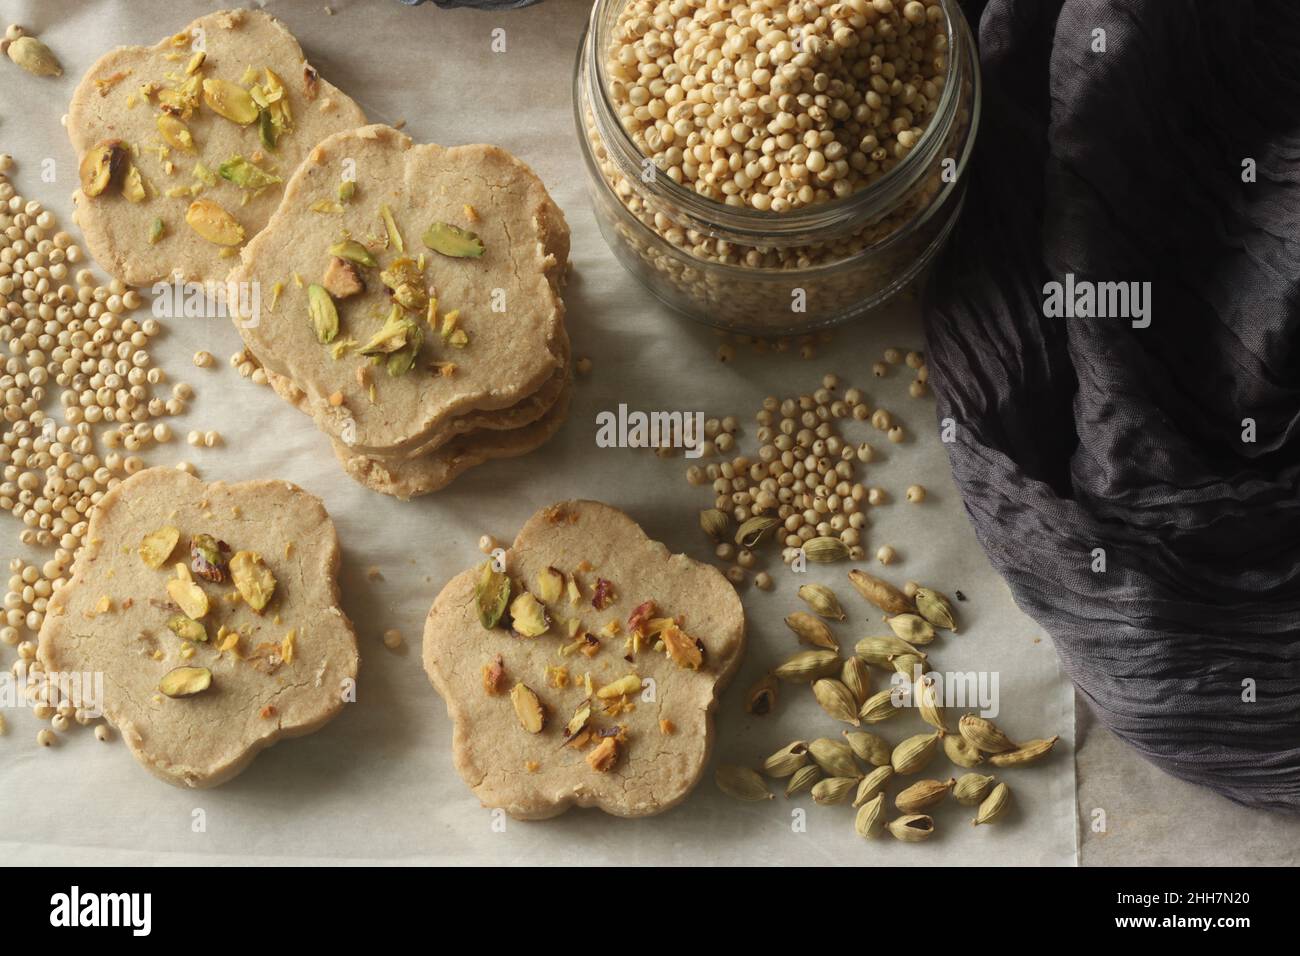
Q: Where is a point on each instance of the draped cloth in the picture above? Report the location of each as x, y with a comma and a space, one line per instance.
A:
1137, 486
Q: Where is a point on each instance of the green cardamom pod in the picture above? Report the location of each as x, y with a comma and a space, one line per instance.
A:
912, 628
923, 795
984, 734
812, 631
714, 523
833, 790
787, 760
880, 651
994, 805
870, 821
822, 600
909, 665
912, 828
880, 593
935, 608
869, 748
802, 779
808, 666
971, 788
837, 700
872, 784
754, 530
857, 679
1026, 753
825, 550
927, 703
741, 783
914, 752
835, 757
961, 751
878, 707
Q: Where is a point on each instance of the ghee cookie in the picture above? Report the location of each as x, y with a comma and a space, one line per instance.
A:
184, 147
406, 478
528, 410
442, 265
212, 611
586, 673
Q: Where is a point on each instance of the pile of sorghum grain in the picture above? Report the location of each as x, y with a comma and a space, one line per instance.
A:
63, 330
805, 473
777, 105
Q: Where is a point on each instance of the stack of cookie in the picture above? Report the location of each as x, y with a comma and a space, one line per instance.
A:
409, 301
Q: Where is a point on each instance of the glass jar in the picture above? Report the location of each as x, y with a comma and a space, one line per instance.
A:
776, 273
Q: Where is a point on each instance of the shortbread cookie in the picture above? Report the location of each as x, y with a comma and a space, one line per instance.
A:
213, 613
528, 410
587, 673
210, 124
407, 478
443, 264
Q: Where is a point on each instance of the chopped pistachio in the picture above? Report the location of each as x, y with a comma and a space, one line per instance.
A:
324, 316
230, 101
354, 251
247, 175
102, 164
185, 681
133, 187
453, 241
175, 132
390, 225
342, 279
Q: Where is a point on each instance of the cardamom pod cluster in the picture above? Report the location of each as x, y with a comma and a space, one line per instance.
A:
829, 769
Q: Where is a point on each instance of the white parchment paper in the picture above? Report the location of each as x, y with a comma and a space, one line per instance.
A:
378, 783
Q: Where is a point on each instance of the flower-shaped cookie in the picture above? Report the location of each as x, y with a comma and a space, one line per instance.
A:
208, 126
582, 667
211, 610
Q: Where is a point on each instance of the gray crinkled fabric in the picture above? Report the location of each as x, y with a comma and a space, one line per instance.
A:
1084, 434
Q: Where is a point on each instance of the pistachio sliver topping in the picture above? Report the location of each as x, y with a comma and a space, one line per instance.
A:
528, 616
189, 597
246, 175
323, 314
491, 595
342, 279
175, 133
101, 165
453, 241
133, 187
187, 628
253, 579
229, 101
528, 708
354, 251
207, 559
185, 681
157, 546
213, 223
390, 225
266, 131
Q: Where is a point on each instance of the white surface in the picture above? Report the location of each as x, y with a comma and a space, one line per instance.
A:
378, 783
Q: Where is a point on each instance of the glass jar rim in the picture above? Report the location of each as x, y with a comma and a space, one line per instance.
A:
744, 224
